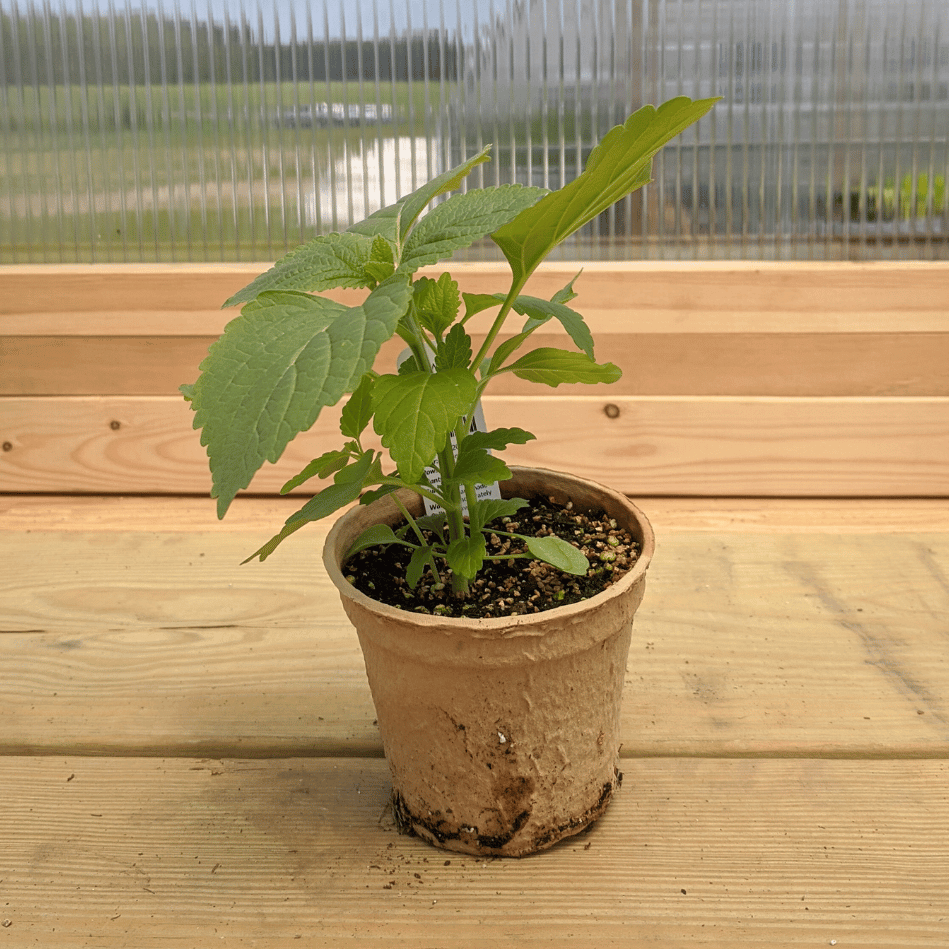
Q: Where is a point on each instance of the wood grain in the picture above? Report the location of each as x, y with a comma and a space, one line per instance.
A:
151, 853
736, 364
737, 296
172, 514
158, 642
664, 446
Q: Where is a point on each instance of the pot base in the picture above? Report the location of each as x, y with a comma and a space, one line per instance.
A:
451, 836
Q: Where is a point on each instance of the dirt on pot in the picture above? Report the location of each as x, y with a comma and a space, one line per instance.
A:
513, 586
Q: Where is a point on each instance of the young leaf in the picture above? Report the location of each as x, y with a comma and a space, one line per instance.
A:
331, 260
497, 439
558, 553
620, 164
454, 351
567, 293
437, 303
422, 557
476, 302
373, 537
491, 509
395, 221
276, 366
357, 411
461, 220
415, 412
475, 465
328, 463
555, 366
321, 505
540, 311
466, 555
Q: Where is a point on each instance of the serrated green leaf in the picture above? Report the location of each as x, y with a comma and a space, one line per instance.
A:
327, 502
541, 311
620, 164
461, 220
328, 463
414, 412
558, 553
556, 366
357, 411
466, 555
454, 351
491, 509
437, 303
395, 221
497, 439
476, 466
331, 260
375, 536
276, 366
567, 293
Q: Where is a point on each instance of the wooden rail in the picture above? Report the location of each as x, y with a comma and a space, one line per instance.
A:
739, 379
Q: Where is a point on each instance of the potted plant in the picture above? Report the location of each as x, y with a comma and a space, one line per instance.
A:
500, 730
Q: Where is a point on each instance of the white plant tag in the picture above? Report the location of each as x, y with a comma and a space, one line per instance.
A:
483, 492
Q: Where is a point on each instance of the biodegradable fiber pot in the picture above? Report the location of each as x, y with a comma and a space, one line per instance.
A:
501, 734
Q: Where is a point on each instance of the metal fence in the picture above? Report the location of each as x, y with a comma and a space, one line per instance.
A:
233, 132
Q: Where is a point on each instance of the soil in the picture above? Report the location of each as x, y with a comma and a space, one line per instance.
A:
509, 587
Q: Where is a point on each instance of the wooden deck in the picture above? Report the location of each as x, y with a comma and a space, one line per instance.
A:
188, 754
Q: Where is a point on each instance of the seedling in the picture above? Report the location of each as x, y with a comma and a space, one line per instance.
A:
292, 352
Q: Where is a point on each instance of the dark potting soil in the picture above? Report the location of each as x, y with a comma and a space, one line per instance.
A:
508, 587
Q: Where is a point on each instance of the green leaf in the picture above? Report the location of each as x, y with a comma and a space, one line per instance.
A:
321, 505
476, 302
491, 509
558, 553
475, 465
497, 439
461, 220
357, 411
415, 412
422, 557
395, 221
437, 303
567, 293
328, 463
331, 260
541, 311
466, 555
505, 349
620, 164
555, 366
276, 366
454, 351
375, 536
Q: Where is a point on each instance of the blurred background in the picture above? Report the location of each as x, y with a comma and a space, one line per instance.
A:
228, 131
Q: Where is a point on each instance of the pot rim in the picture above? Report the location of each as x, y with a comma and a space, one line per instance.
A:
510, 624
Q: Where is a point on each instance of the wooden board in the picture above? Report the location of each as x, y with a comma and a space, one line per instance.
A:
714, 364
280, 853
735, 296
156, 641
640, 445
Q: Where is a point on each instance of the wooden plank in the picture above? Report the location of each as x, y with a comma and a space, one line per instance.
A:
157, 641
26, 513
284, 853
650, 445
737, 296
736, 364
